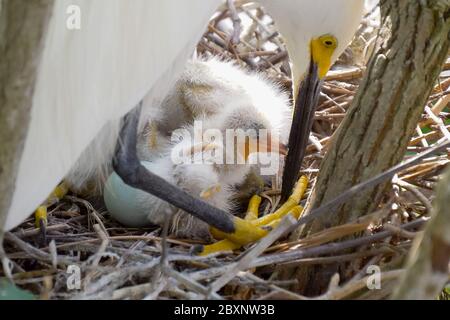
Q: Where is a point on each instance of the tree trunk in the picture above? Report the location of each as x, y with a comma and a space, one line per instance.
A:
413, 45
23, 26
427, 269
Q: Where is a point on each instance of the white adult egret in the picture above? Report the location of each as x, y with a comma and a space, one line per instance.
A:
125, 50
91, 76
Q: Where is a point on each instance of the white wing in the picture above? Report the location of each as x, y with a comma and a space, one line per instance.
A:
90, 76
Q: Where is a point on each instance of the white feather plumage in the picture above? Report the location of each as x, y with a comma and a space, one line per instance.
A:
89, 78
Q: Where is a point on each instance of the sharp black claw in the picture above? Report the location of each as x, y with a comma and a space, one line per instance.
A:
196, 249
42, 235
268, 228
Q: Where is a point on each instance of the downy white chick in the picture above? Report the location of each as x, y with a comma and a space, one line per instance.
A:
223, 96
213, 179
207, 87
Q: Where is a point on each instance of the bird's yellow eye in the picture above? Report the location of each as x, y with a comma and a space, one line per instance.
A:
328, 41
322, 49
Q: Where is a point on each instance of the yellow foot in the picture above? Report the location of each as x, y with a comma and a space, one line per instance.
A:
58, 193
252, 228
40, 221
219, 246
294, 199
40, 215
296, 212
253, 208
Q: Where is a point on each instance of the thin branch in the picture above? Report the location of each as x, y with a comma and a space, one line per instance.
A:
237, 28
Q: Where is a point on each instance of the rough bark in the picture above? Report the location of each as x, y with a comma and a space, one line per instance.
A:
413, 45
23, 26
428, 267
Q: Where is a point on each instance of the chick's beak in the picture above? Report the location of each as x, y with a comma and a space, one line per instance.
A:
264, 145
272, 144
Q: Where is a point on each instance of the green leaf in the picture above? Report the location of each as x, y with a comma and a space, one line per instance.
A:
426, 129
8, 291
411, 153
447, 289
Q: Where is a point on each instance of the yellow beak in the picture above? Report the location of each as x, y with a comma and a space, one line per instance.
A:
322, 50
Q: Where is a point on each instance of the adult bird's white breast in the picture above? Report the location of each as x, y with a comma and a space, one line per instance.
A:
91, 76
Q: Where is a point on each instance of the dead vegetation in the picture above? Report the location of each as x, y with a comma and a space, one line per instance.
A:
122, 263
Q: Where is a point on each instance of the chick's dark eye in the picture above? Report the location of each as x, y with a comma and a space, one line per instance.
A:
328, 43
